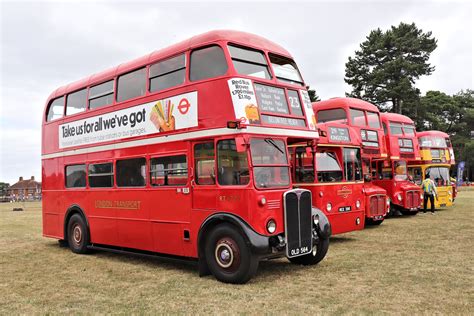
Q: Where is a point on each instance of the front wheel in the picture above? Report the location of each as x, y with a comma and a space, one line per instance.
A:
228, 256
319, 252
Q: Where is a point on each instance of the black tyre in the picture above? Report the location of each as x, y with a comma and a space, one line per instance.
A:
78, 234
319, 252
228, 257
409, 213
371, 222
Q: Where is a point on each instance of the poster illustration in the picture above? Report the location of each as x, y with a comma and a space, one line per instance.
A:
243, 98
174, 113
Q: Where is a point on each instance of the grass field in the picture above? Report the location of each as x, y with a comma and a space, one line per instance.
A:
421, 264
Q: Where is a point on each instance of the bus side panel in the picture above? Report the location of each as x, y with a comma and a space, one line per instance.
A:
51, 208
102, 219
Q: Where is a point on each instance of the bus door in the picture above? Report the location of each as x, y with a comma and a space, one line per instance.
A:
170, 203
204, 186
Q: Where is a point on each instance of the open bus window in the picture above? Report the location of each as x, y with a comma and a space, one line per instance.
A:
415, 172
233, 167
400, 170
249, 62
270, 162
204, 163
285, 69
373, 119
395, 129
167, 73
76, 102
101, 95
76, 176
440, 175
208, 62
357, 117
131, 172
327, 167
169, 171
56, 109
333, 115
352, 164
101, 175
304, 166
131, 85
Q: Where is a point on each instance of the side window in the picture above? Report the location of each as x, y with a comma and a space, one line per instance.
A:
131, 172
168, 73
352, 164
101, 175
233, 167
76, 102
327, 167
56, 109
131, 85
76, 176
207, 63
304, 171
169, 171
101, 95
204, 162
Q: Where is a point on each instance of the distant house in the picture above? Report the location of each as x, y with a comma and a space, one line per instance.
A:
25, 189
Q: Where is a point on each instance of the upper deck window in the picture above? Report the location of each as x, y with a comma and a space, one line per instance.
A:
334, 115
249, 62
433, 141
56, 109
409, 130
131, 85
285, 69
373, 119
101, 95
76, 102
357, 117
167, 73
396, 129
208, 62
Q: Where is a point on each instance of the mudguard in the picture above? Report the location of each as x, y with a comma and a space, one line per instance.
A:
324, 227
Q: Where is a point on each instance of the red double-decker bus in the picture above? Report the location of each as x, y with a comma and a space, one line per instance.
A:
363, 123
183, 152
391, 173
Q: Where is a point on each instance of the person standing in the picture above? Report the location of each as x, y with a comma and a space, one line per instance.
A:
429, 192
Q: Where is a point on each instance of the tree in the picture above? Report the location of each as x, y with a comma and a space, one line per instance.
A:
312, 95
387, 65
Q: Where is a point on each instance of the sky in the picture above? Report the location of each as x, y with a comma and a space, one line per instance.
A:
45, 45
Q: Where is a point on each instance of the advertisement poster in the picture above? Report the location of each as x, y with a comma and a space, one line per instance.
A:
243, 98
174, 113
310, 117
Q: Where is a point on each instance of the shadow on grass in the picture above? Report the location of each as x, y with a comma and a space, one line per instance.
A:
341, 239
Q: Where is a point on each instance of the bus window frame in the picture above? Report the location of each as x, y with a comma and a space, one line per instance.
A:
98, 162
164, 155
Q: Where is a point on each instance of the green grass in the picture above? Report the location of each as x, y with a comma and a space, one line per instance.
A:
421, 264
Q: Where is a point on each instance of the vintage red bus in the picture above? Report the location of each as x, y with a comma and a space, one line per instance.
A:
333, 173
437, 157
183, 152
392, 173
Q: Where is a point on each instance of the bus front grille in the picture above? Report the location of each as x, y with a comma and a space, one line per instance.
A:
377, 205
298, 223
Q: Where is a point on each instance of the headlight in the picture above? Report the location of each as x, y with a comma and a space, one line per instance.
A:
358, 204
263, 201
316, 220
399, 197
271, 226
357, 221
329, 207
388, 201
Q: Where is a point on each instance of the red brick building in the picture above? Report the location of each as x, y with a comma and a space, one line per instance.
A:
25, 189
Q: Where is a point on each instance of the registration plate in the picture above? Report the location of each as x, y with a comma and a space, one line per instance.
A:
299, 251
345, 209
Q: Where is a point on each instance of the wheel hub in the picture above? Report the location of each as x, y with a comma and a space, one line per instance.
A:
77, 234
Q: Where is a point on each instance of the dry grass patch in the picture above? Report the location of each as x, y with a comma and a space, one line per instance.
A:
420, 264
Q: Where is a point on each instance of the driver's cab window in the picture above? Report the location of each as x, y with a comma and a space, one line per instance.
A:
328, 168
204, 163
304, 165
416, 174
232, 166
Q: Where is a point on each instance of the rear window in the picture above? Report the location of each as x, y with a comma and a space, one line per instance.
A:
76, 102
208, 62
56, 109
249, 62
131, 85
168, 73
335, 115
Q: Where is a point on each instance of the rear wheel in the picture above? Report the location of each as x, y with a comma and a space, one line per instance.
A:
78, 234
319, 252
228, 256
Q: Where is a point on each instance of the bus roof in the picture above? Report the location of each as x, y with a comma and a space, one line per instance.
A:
396, 118
432, 133
243, 38
344, 103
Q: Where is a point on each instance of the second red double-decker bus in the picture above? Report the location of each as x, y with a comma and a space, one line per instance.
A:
183, 152
392, 173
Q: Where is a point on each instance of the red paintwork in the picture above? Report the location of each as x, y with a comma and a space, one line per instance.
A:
393, 147
164, 212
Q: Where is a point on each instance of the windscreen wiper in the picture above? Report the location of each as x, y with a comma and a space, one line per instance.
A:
272, 142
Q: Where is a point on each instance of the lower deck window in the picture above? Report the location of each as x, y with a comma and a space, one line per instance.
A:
101, 175
76, 176
131, 172
169, 171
